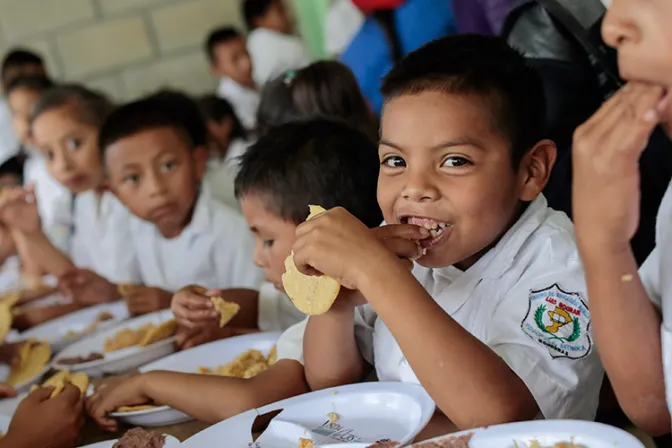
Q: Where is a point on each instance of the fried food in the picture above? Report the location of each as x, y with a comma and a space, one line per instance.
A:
312, 295
159, 333
333, 417
34, 356
60, 379
146, 335
306, 443
227, 310
246, 365
273, 355
103, 316
141, 407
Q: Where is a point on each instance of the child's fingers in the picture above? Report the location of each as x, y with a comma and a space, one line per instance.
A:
406, 231
403, 248
194, 302
71, 394
40, 394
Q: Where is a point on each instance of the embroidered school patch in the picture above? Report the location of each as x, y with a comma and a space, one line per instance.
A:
560, 321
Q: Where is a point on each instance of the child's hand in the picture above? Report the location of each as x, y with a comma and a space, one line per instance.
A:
336, 244
86, 287
7, 391
59, 419
193, 309
125, 391
18, 210
606, 188
10, 353
143, 300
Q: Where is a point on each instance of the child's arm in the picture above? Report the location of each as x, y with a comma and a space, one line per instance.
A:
469, 382
207, 398
606, 199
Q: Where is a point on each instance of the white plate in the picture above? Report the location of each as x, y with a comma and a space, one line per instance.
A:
22, 387
547, 433
120, 361
55, 330
4, 424
367, 412
171, 442
207, 355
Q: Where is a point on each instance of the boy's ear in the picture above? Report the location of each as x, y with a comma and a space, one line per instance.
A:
200, 157
535, 169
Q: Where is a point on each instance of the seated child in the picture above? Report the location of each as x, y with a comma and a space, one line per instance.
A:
11, 175
325, 89
272, 47
227, 142
231, 63
632, 312
91, 232
155, 154
492, 320
295, 165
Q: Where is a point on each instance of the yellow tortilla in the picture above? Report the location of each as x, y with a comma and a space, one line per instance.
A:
6, 314
141, 407
311, 295
227, 310
156, 334
60, 379
34, 356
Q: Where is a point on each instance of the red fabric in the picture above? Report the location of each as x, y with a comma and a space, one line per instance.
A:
368, 6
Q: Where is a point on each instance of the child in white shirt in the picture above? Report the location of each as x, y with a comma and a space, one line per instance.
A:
155, 153
231, 63
493, 320
272, 47
632, 312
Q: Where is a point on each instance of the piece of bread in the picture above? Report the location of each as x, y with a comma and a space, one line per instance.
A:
312, 295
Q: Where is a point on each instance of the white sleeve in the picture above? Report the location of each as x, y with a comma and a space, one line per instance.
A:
542, 330
276, 311
649, 273
290, 345
60, 228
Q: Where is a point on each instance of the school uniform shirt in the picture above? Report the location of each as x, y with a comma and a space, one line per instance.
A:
95, 233
49, 193
8, 140
245, 101
215, 250
274, 53
656, 279
276, 311
525, 299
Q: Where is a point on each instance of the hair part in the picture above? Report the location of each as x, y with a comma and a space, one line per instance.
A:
319, 162
219, 36
164, 109
255, 9
324, 89
484, 66
36, 83
88, 106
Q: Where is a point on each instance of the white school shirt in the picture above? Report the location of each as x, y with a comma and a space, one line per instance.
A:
274, 53
214, 251
245, 101
95, 233
525, 299
276, 311
50, 194
655, 275
9, 143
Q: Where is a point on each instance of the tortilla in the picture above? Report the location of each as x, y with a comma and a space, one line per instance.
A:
34, 357
312, 295
227, 310
6, 315
156, 334
59, 380
141, 407
103, 316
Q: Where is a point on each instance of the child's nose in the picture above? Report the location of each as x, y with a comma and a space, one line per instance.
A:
419, 188
617, 28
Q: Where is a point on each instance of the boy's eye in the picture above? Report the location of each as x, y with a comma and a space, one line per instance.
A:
454, 162
394, 162
73, 144
131, 179
268, 243
168, 166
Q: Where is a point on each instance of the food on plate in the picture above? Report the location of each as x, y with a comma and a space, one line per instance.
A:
60, 379
449, 442
6, 315
247, 365
125, 289
306, 443
103, 316
80, 359
226, 310
333, 417
34, 356
145, 335
140, 438
384, 444
273, 355
140, 407
312, 295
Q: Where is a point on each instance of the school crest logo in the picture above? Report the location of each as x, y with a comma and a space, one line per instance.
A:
560, 321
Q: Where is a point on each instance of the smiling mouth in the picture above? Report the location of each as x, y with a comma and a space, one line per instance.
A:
438, 230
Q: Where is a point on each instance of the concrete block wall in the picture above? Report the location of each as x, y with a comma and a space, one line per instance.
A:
125, 48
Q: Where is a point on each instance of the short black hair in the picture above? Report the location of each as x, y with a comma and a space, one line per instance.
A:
37, 83
13, 167
219, 36
19, 57
216, 109
481, 65
253, 9
317, 162
164, 109
91, 107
